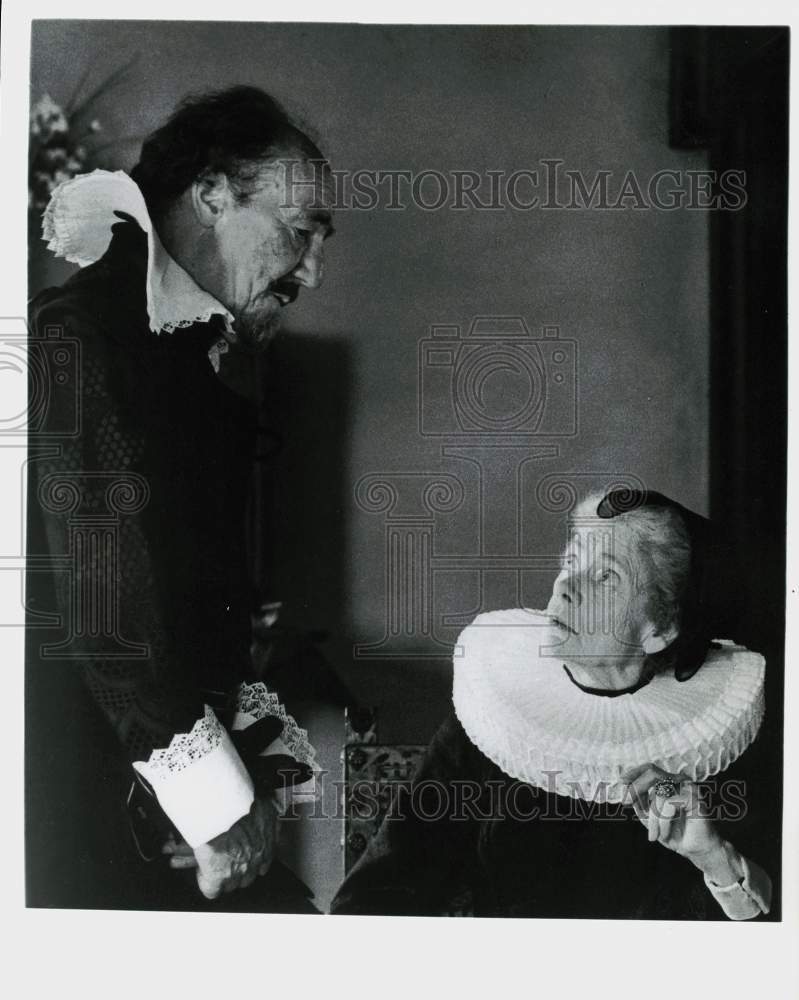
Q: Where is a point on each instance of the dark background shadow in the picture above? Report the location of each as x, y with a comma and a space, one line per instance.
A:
730, 95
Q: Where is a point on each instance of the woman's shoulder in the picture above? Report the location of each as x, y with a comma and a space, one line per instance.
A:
452, 754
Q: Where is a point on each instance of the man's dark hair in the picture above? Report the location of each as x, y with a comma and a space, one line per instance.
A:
232, 131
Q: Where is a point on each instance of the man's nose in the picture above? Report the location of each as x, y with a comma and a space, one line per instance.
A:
311, 269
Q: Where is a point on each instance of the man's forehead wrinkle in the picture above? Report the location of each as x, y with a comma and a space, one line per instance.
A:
268, 183
301, 166
307, 182
307, 202
318, 196
314, 218
296, 173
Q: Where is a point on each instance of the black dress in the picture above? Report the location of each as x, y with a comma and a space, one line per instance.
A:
464, 837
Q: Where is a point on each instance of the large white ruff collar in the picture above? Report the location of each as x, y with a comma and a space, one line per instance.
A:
77, 226
524, 713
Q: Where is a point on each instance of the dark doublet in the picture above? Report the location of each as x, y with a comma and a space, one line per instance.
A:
151, 406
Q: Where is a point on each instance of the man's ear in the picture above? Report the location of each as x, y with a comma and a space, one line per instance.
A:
210, 197
657, 640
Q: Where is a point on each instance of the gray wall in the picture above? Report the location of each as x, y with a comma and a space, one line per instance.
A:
630, 287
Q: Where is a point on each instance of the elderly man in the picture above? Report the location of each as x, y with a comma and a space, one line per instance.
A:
186, 267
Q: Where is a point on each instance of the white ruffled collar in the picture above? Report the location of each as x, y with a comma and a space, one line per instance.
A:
77, 226
524, 713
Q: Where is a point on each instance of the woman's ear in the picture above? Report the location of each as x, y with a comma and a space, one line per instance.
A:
210, 196
657, 640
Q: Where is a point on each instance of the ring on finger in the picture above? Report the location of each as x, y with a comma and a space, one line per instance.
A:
665, 788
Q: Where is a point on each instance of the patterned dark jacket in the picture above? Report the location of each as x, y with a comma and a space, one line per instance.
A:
138, 480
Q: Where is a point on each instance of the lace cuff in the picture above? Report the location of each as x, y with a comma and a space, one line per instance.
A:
200, 781
254, 702
749, 896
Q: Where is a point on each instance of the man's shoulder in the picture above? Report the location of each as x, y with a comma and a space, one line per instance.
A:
107, 296
81, 297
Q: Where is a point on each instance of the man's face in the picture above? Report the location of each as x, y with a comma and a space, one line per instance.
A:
598, 602
273, 245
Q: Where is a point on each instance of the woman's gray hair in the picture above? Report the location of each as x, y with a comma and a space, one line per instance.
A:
663, 548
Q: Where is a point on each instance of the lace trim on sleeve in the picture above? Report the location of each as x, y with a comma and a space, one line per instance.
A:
186, 749
257, 701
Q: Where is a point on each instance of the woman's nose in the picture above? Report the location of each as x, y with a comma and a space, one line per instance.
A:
567, 589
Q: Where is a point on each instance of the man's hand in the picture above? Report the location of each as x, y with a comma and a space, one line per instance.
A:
234, 859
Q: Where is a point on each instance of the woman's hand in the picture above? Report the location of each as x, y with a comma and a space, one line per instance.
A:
234, 859
680, 822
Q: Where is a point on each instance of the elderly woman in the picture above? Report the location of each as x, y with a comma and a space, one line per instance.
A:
590, 767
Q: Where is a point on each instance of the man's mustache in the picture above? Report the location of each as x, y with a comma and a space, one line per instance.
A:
285, 291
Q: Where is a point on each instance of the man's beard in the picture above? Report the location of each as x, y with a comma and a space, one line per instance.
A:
254, 329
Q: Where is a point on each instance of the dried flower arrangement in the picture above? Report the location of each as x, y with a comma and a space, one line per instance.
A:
62, 138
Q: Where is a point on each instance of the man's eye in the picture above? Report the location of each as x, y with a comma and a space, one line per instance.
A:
302, 234
606, 576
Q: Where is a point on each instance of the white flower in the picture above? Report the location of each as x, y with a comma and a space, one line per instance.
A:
55, 157
47, 119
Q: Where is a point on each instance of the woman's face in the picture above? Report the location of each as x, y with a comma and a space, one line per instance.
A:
599, 599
